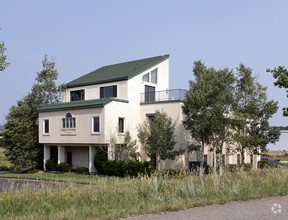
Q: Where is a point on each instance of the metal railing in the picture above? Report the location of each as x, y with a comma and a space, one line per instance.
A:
164, 95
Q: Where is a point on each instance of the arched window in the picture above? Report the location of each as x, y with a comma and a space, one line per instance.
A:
68, 121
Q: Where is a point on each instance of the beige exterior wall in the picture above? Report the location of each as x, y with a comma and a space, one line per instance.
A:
80, 156
182, 136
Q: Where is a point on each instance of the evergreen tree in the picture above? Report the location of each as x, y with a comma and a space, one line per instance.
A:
21, 128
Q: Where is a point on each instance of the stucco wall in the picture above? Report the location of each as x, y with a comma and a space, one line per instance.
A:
80, 156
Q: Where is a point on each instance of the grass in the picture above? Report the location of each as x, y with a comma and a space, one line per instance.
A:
113, 198
3, 159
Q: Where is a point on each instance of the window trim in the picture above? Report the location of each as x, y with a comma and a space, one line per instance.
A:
92, 124
71, 121
46, 119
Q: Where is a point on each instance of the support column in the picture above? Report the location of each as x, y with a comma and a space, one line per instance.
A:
92, 152
46, 152
61, 154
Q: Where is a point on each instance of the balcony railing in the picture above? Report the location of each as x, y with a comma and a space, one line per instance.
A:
165, 95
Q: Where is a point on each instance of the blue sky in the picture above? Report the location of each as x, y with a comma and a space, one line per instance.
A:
85, 35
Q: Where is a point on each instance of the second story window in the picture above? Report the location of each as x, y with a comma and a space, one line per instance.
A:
46, 126
69, 121
108, 91
77, 95
121, 125
96, 124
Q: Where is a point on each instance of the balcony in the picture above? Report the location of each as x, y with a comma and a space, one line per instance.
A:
165, 95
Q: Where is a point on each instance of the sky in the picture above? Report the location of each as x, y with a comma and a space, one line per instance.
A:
85, 35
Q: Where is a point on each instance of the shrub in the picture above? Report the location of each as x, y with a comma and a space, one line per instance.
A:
31, 171
99, 159
126, 168
248, 167
265, 164
51, 165
82, 170
64, 167
4, 168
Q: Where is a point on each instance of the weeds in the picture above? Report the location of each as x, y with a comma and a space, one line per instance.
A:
113, 198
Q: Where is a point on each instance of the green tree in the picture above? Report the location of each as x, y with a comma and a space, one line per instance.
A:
128, 149
252, 112
281, 74
3, 63
46, 82
158, 138
21, 128
199, 104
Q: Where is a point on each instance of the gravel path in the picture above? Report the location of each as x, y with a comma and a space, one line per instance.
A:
268, 208
13, 184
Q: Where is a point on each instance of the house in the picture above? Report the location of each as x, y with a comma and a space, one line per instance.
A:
108, 102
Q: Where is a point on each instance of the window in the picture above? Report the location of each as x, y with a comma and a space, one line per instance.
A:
154, 76
77, 95
96, 124
223, 159
251, 158
108, 91
205, 158
46, 126
149, 94
238, 159
69, 121
121, 125
145, 78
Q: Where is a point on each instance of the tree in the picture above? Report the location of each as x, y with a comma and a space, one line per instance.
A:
199, 105
46, 82
3, 63
157, 136
281, 74
127, 149
21, 128
252, 112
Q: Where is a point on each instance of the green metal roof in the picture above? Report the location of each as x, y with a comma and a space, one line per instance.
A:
95, 103
117, 72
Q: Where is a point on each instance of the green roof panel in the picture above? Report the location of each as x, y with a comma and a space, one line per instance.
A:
94, 103
117, 72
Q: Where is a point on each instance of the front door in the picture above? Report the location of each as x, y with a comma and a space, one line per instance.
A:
69, 158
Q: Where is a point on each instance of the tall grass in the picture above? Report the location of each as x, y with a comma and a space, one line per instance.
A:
111, 198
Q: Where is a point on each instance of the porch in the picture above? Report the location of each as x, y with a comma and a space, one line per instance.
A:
77, 156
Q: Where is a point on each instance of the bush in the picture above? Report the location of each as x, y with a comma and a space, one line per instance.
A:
51, 165
99, 159
4, 168
265, 164
64, 167
82, 170
126, 168
248, 167
31, 171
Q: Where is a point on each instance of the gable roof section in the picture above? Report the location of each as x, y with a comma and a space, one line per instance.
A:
95, 103
117, 72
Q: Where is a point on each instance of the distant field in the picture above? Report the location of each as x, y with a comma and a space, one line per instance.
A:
3, 159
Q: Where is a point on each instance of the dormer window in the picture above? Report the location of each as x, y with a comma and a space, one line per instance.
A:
69, 121
108, 92
77, 95
151, 77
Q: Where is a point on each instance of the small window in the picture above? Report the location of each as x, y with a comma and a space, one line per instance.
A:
121, 125
46, 126
96, 124
108, 92
223, 159
69, 121
238, 159
145, 78
77, 95
154, 76
251, 158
